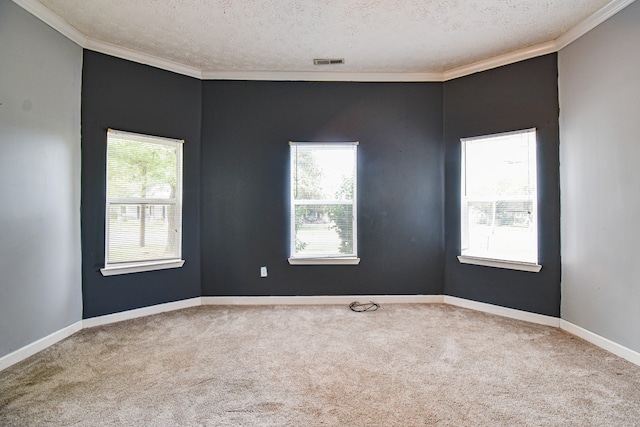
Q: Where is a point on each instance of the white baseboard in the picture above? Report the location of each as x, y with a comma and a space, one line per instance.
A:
323, 300
140, 312
503, 311
37, 346
595, 339
33, 348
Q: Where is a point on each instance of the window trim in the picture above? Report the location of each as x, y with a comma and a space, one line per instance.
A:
324, 261
500, 263
138, 267
492, 262
334, 259
114, 269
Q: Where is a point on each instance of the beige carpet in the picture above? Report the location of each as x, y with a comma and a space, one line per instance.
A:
403, 365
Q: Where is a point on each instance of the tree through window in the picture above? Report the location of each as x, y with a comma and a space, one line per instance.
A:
144, 199
499, 197
323, 200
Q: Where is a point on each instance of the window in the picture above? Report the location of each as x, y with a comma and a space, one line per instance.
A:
144, 203
323, 203
499, 225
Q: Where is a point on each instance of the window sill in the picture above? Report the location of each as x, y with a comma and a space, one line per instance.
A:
139, 267
511, 265
325, 261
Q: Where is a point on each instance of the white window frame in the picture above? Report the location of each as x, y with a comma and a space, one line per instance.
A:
491, 262
111, 269
334, 259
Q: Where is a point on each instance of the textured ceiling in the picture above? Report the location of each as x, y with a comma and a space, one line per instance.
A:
402, 36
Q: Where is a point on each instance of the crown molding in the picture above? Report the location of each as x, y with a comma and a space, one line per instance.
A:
142, 58
321, 76
54, 21
591, 22
51, 19
500, 60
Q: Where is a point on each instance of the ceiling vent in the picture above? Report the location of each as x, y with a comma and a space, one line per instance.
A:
328, 61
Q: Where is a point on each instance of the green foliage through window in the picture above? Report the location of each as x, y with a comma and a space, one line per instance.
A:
143, 198
323, 183
499, 197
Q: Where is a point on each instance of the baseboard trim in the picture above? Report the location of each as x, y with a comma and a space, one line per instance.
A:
323, 300
37, 346
41, 344
503, 311
140, 312
604, 343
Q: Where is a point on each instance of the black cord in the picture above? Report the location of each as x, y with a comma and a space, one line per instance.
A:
360, 308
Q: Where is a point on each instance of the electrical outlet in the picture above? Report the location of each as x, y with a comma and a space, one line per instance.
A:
263, 271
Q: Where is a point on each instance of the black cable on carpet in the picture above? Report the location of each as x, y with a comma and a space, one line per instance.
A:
367, 306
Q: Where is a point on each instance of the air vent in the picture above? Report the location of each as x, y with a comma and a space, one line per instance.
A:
328, 61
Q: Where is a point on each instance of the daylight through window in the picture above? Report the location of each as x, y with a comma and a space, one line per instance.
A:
499, 197
144, 199
323, 200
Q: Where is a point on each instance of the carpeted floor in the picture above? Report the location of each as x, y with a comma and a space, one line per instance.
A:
403, 365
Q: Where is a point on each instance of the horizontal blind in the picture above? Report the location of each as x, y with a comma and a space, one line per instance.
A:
323, 199
144, 198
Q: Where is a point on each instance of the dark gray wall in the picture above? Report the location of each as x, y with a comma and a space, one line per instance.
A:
517, 96
127, 96
40, 76
600, 128
245, 179
405, 170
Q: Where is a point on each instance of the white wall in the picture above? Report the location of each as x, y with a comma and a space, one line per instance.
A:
599, 82
40, 79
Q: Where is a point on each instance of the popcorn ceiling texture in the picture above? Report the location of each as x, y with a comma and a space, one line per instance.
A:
285, 35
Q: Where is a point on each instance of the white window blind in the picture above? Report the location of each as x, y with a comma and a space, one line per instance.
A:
499, 197
323, 200
144, 199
